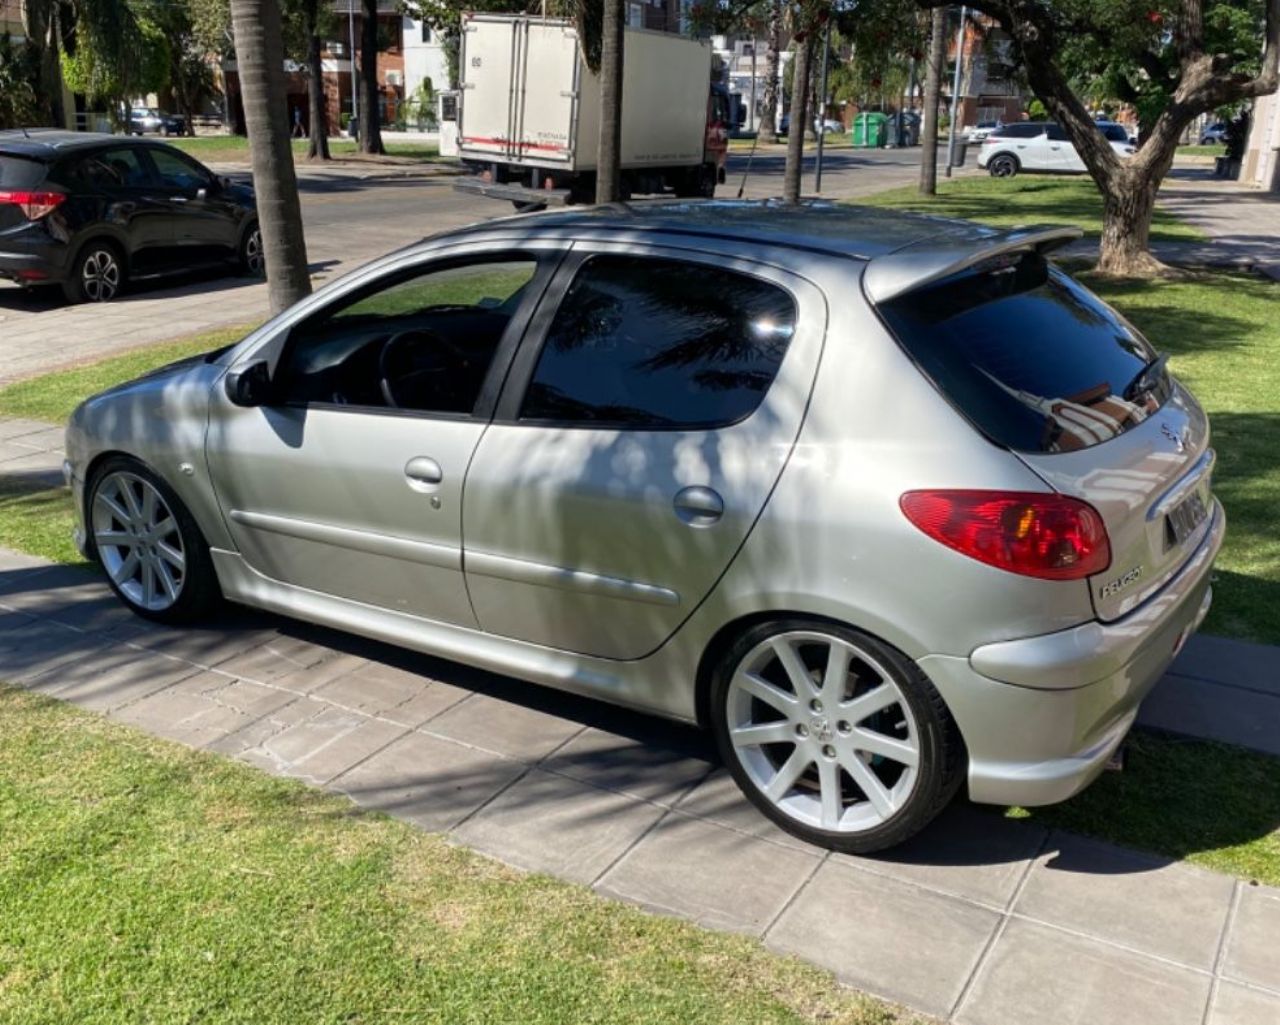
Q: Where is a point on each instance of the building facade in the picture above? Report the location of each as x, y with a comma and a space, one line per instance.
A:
1260, 166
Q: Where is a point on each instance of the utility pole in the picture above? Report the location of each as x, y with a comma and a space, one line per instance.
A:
955, 92
822, 108
351, 52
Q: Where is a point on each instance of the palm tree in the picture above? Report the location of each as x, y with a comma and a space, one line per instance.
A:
260, 58
798, 114
318, 148
608, 156
932, 88
768, 128
370, 116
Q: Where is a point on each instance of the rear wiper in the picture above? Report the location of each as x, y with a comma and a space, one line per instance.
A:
1147, 378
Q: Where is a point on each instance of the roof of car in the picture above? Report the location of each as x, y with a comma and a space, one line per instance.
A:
47, 143
841, 229
905, 250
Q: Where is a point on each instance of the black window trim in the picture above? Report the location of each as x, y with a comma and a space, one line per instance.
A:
520, 374
546, 261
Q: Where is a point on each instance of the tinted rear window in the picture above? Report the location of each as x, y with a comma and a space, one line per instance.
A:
1116, 133
1027, 131
19, 172
1036, 362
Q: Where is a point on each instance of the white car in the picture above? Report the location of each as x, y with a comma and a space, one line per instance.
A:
1041, 147
980, 131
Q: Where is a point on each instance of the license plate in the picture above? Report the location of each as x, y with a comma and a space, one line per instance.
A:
1183, 519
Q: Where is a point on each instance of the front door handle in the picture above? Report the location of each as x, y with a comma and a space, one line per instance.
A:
699, 506
423, 473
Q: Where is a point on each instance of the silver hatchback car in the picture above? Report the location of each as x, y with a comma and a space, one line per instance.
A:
889, 503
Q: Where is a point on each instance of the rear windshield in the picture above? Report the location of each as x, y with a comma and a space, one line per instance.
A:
1115, 133
19, 172
1036, 362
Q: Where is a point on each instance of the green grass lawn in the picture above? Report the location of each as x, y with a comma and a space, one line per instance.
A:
141, 882
232, 148
1216, 150
1025, 199
1193, 800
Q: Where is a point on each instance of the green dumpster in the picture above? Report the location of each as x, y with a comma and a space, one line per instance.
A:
869, 130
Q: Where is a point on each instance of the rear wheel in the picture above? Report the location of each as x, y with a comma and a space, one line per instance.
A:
525, 207
154, 555
1003, 166
836, 737
96, 274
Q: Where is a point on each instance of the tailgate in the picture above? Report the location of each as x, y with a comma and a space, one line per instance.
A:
1152, 486
17, 174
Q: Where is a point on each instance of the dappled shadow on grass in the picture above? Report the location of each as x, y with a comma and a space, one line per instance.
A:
1180, 798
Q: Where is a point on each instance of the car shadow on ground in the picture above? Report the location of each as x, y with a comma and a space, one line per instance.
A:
965, 836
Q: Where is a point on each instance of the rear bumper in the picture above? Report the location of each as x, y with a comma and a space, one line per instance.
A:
515, 193
32, 261
1040, 716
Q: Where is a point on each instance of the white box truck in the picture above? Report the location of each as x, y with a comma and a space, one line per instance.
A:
529, 113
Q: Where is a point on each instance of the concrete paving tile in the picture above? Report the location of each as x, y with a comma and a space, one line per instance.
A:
11, 560
44, 439
184, 717
247, 744
887, 937
1038, 974
16, 427
714, 876
1170, 909
276, 657
967, 851
337, 756
30, 651
504, 727
1253, 947
1233, 715
431, 782
313, 677
31, 583
1234, 1004
392, 693
110, 678
549, 823
718, 799
252, 699
36, 468
205, 646
304, 739
628, 766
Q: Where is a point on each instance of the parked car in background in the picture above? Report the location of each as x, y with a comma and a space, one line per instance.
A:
1041, 147
981, 130
90, 212
149, 121
957, 553
1215, 133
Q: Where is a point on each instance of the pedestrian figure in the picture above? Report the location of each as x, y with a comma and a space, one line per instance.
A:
298, 133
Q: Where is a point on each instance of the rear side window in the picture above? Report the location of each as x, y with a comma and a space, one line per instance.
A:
641, 342
1037, 362
20, 173
1115, 133
1025, 131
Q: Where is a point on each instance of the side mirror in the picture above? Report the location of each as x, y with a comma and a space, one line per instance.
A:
251, 385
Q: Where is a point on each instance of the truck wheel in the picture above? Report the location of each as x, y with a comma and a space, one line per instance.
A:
523, 207
697, 182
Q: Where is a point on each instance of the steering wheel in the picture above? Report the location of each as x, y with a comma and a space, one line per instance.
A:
404, 364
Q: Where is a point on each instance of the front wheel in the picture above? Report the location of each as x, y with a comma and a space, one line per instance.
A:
149, 545
252, 260
836, 737
1003, 166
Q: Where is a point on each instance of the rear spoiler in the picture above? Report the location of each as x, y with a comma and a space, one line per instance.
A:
929, 260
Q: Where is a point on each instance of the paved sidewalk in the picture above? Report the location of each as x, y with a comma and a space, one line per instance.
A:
980, 920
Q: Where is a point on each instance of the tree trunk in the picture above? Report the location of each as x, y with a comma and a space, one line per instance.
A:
932, 90
798, 117
318, 149
768, 127
609, 153
1126, 226
370, 119
260, 58
40, 25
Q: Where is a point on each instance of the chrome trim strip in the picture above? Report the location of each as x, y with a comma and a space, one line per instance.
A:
1201, 470
503, 567
356, 540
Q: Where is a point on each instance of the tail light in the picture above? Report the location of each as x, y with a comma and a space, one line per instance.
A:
1036, 535
33, 205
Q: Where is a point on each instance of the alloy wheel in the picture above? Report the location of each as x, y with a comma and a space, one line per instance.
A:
100, 275
823, 731
138, 541
254, 261
1002, 167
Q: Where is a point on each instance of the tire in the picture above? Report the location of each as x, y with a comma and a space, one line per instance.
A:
96, 275
524, 207
250, 255
804, 759
1003, 165
172, 580
697, 183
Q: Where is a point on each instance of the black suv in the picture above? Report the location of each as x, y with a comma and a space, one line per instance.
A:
91, 211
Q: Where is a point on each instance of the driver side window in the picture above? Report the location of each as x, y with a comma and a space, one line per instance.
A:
422, 343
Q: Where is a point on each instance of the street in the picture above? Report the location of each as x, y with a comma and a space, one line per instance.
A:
352, 215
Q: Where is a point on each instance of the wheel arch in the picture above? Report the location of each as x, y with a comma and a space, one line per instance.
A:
1017, 164
100, 233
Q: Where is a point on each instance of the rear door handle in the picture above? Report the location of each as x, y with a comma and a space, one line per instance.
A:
699, 506
423, 473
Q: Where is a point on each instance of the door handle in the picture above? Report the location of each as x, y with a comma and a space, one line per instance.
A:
423, 474
699, 506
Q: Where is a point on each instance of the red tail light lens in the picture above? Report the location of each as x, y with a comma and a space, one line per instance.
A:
33, 205
1036, 535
